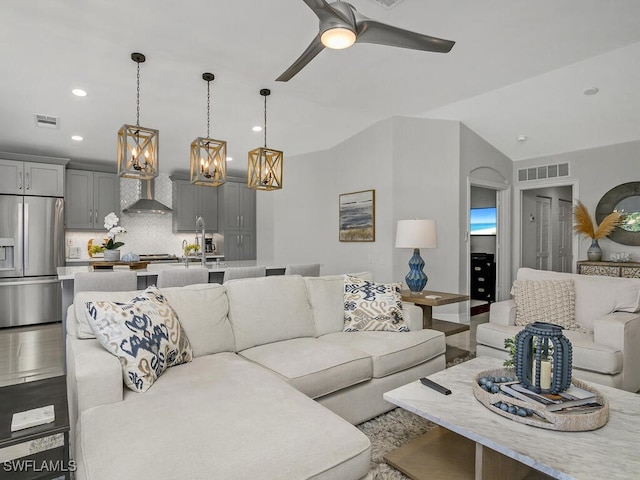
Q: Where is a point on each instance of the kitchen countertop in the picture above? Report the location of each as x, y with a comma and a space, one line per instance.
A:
67, 273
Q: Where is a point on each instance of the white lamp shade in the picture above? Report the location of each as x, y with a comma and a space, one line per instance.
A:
416, 234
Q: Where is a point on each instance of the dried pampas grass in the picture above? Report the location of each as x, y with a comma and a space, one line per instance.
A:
585, 225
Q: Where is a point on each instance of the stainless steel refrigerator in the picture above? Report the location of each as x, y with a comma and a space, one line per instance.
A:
31, 248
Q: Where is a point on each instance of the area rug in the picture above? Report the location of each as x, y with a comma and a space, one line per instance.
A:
391, 430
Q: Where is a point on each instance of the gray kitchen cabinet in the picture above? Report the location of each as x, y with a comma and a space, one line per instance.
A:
31, 178
91, 196
189, 201
239, 246
238, 216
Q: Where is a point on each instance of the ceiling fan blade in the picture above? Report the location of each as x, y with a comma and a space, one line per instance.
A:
326, 12
371, 31
314, 48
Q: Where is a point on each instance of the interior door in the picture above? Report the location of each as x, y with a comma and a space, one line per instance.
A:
565, 230
543, 233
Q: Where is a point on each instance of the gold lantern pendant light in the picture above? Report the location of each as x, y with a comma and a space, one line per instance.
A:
137, 146
265, 164
208, 156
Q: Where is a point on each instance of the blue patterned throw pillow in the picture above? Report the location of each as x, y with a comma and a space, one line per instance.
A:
144, 333
372, 306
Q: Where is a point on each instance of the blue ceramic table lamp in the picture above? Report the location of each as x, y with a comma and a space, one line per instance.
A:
416, 234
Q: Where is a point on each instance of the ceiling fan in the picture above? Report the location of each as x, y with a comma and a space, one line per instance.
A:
341, 26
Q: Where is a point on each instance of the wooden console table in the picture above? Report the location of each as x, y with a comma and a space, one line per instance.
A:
610, 269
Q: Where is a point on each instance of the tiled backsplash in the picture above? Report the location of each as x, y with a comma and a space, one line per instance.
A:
146, 233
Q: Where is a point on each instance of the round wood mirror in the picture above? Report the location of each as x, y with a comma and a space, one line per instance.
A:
624, 198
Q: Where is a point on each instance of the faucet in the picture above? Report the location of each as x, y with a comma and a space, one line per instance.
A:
185, 256
200, 225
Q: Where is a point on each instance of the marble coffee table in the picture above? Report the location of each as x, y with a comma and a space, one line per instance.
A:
473, 442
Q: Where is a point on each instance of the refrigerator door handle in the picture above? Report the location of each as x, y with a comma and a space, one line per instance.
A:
27, 182
17, 256
26, 236
19, 180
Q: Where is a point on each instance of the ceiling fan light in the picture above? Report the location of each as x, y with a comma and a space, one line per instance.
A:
338, 38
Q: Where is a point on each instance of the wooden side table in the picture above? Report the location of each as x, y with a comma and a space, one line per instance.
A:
427, 300
40, 452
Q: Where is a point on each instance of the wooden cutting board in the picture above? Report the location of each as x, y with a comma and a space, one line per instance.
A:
110, 265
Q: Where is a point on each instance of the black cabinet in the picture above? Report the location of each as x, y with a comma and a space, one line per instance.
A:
483, 277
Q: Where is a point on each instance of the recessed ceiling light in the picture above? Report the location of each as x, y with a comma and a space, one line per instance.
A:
78, 92
229, 159
257, 128
77, 138
591, 91
522, 138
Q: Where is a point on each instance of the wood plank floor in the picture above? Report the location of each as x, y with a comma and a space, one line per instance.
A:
30, 353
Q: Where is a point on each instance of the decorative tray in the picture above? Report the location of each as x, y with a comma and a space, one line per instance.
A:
110, 265
542, 418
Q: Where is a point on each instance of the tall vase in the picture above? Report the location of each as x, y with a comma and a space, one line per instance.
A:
112, 255
594, 253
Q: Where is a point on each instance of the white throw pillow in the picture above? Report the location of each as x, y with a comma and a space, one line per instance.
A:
372, 306
550, 301
144, 334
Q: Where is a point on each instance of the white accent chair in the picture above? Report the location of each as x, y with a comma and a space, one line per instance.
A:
306, 270
608, 307
180, 277
244, 272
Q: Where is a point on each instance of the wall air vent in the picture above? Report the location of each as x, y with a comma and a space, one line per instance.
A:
46, 121
543, 172
388, 4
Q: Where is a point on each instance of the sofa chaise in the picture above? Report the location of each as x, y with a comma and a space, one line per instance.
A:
273, 390
606, 344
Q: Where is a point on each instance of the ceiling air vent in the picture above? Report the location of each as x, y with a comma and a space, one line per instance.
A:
543, 172
46, 121
388, 4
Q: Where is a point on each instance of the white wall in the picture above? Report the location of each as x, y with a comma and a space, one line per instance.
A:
597, 171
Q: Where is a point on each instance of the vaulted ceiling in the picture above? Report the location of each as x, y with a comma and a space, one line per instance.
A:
517, 68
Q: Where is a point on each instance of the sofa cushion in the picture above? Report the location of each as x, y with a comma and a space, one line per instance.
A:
202, 310
268, 309
391, 352
219, 417
313, 367
371, 306
587, 355
144, 333
551, 301
596, 296
326, 296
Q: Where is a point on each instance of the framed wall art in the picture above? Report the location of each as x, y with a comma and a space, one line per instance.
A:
357, 216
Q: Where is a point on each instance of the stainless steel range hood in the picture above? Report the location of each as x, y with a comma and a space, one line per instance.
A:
146, 203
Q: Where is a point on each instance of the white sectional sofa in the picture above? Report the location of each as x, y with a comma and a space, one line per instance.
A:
608, 309
273, 390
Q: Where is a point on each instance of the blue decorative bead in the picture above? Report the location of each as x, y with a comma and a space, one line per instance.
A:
513, 410
484, 387
503, 379
522, 412
482, 380
489, 383
495, 389
504, 407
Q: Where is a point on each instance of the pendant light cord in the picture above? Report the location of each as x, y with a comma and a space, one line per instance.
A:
265, 121
138, 96
208, 106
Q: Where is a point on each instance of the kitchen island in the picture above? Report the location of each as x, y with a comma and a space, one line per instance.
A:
148, 276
